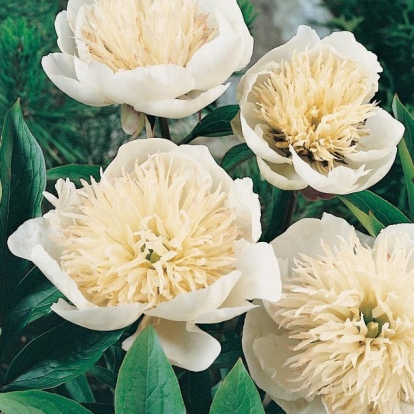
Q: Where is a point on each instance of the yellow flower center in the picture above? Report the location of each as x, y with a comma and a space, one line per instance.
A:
350, 313
315, 103
127, 34
148, 235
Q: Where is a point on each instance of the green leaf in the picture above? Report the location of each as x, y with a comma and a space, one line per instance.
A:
406, 149
23, 179
104, 375
75, 173
236, 156
58, 355
38, 402
215, 124
146, 381
79, 389
373, 212
237, 394
32, 299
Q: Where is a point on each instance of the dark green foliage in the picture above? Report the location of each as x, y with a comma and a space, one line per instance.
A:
385, 28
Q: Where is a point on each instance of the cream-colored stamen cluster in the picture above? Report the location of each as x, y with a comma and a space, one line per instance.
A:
316, 104
350, 313
148, 235
127, 34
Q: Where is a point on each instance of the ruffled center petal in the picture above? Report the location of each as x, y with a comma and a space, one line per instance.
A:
127, 34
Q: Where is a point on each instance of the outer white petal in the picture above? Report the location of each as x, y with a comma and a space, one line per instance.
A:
305, 237
149, 84
340, 180
261, 275
183, 106
136, 151
265, 353
214, 62
252, 130
247, 205
184, 344
73, 8
231, 12
188, 306
305, 37
385, 132
60, 69
282, 176
65, 41
100, 318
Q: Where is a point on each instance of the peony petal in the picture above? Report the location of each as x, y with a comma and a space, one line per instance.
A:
184, 106
259, 346
66, 37
188, 306
100, 318
215, 61
407, 408
51, 269
230, 11
60, 69
136, 151
340, 180
305, 38
247, 206
149, 84
184, 344
282, 176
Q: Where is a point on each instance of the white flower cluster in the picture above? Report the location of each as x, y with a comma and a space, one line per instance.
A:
166, 237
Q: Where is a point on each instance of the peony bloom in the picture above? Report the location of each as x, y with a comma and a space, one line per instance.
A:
341, 339
305, 111
164, 58
165, 233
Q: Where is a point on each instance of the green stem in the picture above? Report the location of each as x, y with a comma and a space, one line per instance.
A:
164, 127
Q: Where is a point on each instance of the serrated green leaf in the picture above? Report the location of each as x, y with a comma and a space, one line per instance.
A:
32, 299
23, 179
75, 172
215, 124
38, 402
58, 355
236, 156
146, 381
373, 212
406, 149
237, 394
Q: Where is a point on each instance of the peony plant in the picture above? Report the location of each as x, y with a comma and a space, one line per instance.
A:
111, 274
166, 233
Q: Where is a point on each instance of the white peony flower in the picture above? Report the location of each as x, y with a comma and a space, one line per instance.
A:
305, 112
341, 339
162, 57
165, 233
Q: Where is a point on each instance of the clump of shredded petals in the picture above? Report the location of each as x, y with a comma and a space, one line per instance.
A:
350, 313
129, 34
146, 236
316, 104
